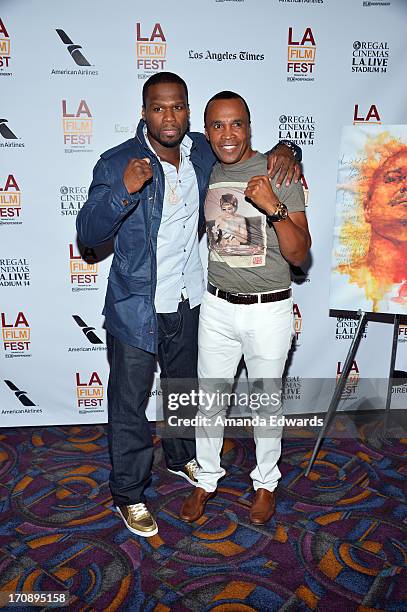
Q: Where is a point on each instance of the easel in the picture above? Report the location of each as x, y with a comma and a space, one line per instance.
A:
344, 375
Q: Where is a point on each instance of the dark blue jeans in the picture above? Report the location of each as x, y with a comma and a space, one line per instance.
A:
131, 377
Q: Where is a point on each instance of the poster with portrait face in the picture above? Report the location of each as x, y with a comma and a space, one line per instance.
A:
369, 264
236, 230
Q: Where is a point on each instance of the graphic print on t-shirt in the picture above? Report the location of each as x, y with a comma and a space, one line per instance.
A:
236, 230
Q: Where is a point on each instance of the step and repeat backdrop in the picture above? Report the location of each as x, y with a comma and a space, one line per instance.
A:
71, 76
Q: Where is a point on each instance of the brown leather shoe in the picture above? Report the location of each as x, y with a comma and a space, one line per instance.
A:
263, 507
194, 505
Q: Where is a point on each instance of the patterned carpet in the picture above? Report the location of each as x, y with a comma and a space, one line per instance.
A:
336, 543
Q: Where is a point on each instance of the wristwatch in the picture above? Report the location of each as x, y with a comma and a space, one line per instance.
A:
279, 214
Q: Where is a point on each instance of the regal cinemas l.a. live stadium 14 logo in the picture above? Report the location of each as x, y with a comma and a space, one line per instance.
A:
361, 116
71, 199
16, 335
89, 392
14, 272
77, 127
75, 55
297, 128
302, 51
10, 201
291, 388
297, 323
5, 50
346, 328
351, 386
83, 269
370, 56
151, 51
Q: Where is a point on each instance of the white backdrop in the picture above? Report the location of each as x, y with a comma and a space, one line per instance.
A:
306, 69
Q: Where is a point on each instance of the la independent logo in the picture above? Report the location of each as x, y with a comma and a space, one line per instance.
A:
5, 51
366, 114
89, 392
16, 335
77, 127
83, 269
151, 50
10, 201
301, 55
77, 56
297, 322
350, 389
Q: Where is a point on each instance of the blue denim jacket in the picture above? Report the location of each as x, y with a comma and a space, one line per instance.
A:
133, 221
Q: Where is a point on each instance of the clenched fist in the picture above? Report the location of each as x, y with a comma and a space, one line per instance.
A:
137, 172
260, 192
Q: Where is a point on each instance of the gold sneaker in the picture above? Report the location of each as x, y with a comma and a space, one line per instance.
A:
188, 472
138, 520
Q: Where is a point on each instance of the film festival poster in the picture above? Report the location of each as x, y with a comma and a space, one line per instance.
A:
369, 263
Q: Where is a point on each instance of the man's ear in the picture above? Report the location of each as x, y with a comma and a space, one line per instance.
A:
367, 208
206, 134
143, 113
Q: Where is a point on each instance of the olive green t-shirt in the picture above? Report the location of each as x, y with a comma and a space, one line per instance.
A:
244, 254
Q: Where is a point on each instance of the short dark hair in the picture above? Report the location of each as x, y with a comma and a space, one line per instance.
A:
163, 77
226, 95
228, 198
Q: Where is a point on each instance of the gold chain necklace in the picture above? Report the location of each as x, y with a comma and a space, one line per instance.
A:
173, 197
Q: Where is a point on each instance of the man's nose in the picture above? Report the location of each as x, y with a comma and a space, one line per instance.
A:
169, 114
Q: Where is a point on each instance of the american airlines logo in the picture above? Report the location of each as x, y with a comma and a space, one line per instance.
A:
20, 395
74, 50
87, 330
5, 130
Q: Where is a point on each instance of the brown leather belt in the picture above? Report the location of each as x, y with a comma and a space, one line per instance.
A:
247, 298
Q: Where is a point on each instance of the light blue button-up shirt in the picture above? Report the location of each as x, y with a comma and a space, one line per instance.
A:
178, 261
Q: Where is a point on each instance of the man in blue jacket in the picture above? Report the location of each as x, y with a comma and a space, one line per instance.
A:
148, 194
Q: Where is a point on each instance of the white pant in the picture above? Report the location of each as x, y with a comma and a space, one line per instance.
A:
263, 334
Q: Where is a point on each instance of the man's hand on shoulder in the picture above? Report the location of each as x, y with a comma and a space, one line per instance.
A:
136, 173
281, 162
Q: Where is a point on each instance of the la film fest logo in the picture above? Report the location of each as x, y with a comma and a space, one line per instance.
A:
83, 269
16, 335
5, 50
10, 201
370, 56
151, 50
351, 385
302, 51
361, 116
77, 127
402, 333
297, 128
8, 138
77, 57
346, 328
71, 199
291, 388
297, 323
91, 340
14, 272
89, 392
